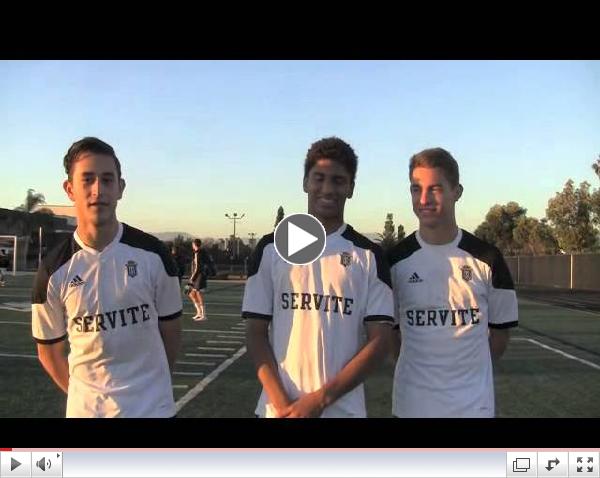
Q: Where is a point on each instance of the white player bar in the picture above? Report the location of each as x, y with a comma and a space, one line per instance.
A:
283, 463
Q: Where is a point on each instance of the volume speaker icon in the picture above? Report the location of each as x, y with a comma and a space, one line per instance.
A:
43, 463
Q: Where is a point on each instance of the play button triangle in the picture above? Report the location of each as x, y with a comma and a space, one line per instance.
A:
298, 238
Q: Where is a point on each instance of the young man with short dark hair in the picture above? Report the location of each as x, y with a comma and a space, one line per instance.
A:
112, 291
306, 324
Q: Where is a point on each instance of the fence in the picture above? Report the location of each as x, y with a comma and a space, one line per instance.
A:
567, 271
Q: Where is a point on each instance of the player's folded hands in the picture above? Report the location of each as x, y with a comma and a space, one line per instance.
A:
309, 405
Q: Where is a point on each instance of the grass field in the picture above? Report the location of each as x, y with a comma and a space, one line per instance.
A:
551, 369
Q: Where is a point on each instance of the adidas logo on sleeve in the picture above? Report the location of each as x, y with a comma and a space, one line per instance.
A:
414, 278
76, 281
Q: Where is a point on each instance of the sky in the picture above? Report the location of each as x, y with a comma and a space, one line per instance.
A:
199, 139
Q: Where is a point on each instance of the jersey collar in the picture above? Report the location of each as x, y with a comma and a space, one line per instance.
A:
448, 245
339, 231
109, 247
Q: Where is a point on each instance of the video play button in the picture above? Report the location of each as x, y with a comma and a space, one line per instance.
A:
15, 464
299, 239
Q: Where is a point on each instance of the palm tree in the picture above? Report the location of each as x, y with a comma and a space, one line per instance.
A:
32, 200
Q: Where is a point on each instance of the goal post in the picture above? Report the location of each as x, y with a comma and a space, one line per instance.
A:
8, 252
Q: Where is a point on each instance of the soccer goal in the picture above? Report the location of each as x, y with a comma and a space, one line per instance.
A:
8, 253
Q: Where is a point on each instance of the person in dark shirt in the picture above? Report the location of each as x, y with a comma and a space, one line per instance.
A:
179, 262
202, 267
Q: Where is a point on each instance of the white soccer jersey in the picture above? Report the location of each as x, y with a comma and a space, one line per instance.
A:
108, 305
445, 299
317, 313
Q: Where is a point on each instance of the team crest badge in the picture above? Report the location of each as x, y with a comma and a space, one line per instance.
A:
131, 268
345, 259
467, 273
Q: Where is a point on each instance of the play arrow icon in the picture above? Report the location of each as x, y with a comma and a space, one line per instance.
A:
14, 464
298, 239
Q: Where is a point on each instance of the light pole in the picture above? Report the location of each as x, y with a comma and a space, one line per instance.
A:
235, 218
40, 233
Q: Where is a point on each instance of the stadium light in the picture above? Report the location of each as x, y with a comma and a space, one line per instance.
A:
235, 218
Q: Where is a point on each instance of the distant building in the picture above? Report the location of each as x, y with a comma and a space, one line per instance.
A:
67, 212
27, 226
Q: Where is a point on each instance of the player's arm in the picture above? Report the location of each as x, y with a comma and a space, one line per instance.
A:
498, 341
311, 405
396, 342
396, 336
167, 300
170, 332
502, 307
48, 326
53, 358
257, 309
261, 353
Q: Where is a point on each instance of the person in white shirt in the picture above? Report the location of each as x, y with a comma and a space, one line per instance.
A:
454, 302
306, 324
112, 291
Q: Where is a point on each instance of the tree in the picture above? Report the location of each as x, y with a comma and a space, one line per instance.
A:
570, 213
596, 195
534, 237
181, 241
280, 215
485, 233
401, 233
595, 199
207, 242
387, 240
499, 225
596, 167
32, 200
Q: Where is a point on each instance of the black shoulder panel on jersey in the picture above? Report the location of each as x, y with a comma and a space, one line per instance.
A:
383, 269
59, 255
256, 257
404, 249
485, 252
135, 238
